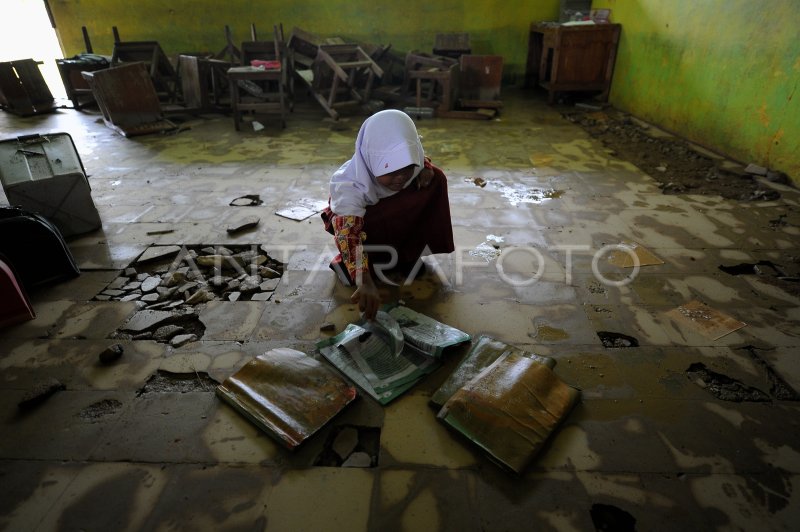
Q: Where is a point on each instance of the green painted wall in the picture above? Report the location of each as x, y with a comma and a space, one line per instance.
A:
495, 27
723, 73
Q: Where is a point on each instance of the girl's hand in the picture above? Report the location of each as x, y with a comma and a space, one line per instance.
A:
367, 297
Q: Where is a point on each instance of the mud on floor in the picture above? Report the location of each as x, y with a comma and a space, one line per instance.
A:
673, 162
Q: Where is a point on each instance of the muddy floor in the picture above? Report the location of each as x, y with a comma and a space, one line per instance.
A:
678, 166
681, 167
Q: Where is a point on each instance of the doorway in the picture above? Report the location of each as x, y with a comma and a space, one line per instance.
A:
27, 34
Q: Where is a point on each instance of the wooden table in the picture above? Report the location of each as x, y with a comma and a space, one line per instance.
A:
571, 58
273, 103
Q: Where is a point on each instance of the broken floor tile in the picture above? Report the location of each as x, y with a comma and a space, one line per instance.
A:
144, 319
182, 339
244, 224
249, 200
111, 354
345, 442
157, 252
150, 284
40, 393
358, 459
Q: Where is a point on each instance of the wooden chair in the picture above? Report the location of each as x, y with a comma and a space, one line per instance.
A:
259, 89
204, 82
78, 91
433, 80
128, 100
452, 45
23, 90
230, 52
161, 71
341, 75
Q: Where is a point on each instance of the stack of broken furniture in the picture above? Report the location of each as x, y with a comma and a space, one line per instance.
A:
261, 85
130, 93
337, 73
451, 82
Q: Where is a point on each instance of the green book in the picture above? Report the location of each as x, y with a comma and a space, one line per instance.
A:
387, 356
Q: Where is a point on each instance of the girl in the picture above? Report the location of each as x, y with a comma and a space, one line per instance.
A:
388, 207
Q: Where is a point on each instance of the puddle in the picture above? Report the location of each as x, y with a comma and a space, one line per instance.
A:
617, 340
519, 193
606, 517
100, 409
778, 388
169, 382
723, 387
350, 446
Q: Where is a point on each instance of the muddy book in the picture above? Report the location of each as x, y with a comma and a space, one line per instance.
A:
484, 352
387, 356
510, 408
287, 394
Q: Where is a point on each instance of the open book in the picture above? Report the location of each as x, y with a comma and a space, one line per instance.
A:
287, 394
387, 356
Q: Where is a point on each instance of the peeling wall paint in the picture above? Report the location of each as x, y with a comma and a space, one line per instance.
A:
199, 26
723, 73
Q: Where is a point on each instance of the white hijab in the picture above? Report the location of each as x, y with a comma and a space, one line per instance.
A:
387, 141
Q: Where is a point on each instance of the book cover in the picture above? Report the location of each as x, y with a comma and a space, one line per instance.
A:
485, 351
510, 409
287, 394
387, 356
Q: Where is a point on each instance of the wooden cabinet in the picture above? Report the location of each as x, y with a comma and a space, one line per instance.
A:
571, 58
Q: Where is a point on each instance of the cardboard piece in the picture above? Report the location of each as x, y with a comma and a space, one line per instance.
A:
709, 322
623, 258
302, 209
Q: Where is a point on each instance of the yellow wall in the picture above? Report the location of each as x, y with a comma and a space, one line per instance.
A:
723, 73
499, 28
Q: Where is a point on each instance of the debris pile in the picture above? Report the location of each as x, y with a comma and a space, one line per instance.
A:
190, 275
175, 327
679, 166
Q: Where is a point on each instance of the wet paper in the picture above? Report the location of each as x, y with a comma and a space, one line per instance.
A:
287, 394
510, 409
624, 258
709, 322
302, 209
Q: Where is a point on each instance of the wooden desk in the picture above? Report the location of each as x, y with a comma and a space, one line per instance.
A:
571, 58
267, 102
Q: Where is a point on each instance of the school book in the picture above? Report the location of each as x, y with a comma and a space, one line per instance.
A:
287, 394
484, 351
389, 355
510, 409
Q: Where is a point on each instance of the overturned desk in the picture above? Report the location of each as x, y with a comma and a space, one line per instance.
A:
256, 100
